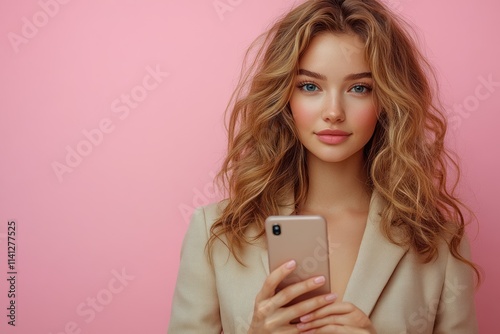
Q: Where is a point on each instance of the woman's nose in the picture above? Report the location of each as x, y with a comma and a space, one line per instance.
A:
333, 110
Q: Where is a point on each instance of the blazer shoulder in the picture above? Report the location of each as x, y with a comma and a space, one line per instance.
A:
213, 210
195, 304
207, 215
456, 311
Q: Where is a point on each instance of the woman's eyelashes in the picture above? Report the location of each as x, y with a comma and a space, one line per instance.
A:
308, 86
359, 88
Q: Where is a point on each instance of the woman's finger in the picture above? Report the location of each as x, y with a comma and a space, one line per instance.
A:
309, 305
275, 277
331, 309
342, 317
337, 330
295, 290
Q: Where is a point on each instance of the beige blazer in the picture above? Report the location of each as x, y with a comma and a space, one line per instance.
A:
388, 283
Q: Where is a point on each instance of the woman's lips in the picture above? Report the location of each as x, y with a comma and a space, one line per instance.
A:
332, 136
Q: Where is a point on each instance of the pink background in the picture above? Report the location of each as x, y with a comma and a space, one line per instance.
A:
124, 207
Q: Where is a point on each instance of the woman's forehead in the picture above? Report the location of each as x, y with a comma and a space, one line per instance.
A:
334, 53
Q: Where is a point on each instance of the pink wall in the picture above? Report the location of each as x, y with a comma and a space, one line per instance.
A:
137, 89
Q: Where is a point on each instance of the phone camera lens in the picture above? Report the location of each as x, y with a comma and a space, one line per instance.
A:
276, 229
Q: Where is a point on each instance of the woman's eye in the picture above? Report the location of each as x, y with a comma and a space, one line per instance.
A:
309, 87
360, 89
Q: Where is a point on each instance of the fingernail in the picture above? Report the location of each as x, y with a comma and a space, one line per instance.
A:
290, 264
306, 318
331, 297
301, 326
320, 279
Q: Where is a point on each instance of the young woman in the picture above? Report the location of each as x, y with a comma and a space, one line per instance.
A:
336, 117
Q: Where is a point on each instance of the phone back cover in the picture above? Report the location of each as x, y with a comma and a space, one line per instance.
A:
303, 239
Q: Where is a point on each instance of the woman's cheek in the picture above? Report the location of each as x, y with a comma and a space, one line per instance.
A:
367, 117
303, 114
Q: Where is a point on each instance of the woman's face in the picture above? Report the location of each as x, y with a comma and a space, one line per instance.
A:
332, 102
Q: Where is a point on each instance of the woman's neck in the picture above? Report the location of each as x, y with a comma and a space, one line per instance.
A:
336, 187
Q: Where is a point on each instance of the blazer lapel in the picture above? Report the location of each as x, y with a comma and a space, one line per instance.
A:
376, 261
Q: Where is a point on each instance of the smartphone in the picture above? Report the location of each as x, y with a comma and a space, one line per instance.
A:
305, 240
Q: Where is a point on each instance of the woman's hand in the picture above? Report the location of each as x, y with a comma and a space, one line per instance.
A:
341, 317
270, 315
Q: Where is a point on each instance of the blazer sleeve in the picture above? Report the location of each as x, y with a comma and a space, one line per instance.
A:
195, 306
456, 310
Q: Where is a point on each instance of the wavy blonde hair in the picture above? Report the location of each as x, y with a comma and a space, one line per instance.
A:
406, 158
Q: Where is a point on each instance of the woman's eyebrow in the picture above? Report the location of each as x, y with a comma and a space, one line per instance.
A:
354, 76
312, 74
